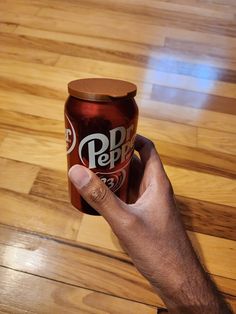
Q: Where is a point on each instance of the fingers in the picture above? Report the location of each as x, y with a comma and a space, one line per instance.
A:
135, 178
96, 193
154, 170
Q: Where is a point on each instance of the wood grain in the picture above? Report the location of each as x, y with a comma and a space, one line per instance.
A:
198, 159
115, 276
192, 99
167, 131
137, 74
189, 116
17, 176
213, 252
219, 141
39, 214
197, 214
30, 124
125, 52
57, 297
20, 48
181, 56
193, 184
121, 278
52, 184
39, 150
32, 104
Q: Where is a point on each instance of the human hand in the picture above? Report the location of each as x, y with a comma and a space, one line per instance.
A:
151, 231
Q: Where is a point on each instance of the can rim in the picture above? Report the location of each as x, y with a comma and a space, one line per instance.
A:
101, 89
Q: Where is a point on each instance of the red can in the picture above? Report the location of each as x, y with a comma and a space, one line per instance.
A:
101, 120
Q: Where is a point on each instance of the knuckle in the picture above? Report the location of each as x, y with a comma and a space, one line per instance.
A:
150, 143
98, 194
130, 221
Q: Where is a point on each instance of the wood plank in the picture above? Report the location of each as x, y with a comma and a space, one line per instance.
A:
119, 31
137, 74
153, 7
45, 80
210, 250
17, 176
193, 99
30, 124
186, 115
51, 184
217, 254
18, 8
177, 5
131, 53
202, 186
57, 297
197, 159
35, 149
162, 18
20, 48
112, 274
90, 233
203, 48
196, 216
32, 105
215, 140
7, 27
38, 214
167, 131
198, 70
85, 45
131, 27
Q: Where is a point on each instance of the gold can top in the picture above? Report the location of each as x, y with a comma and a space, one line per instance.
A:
101, 89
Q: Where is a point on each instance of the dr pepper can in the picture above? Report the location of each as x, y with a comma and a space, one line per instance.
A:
101, 120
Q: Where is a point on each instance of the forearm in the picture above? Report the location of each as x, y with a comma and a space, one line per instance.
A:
194, 293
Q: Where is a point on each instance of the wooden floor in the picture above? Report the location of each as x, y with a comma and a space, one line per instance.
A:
182, 56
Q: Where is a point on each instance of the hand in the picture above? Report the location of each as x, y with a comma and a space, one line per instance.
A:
151, 232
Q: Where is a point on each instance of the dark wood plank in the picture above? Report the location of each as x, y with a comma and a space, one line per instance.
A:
193, 99
197, 159
31, 124
209, 218
208, 51
51, 184
49, 296
31, 88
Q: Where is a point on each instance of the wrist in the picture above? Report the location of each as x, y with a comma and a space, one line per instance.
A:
193, 293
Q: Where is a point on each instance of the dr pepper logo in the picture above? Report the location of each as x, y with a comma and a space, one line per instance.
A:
102, 150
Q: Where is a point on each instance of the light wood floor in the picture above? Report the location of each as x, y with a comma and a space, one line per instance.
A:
182, 56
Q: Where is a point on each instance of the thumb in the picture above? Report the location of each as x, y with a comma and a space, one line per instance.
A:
96, 193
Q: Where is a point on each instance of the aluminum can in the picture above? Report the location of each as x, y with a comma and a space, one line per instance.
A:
100, 125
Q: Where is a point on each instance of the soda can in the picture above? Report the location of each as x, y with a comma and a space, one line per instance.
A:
101, 120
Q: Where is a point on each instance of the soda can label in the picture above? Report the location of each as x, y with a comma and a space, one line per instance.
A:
108, 156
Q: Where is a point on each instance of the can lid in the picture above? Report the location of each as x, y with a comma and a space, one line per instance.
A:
101, 89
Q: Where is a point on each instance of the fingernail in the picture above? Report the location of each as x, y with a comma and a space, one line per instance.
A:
79, 176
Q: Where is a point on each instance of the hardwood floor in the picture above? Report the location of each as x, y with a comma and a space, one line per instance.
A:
181, 55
